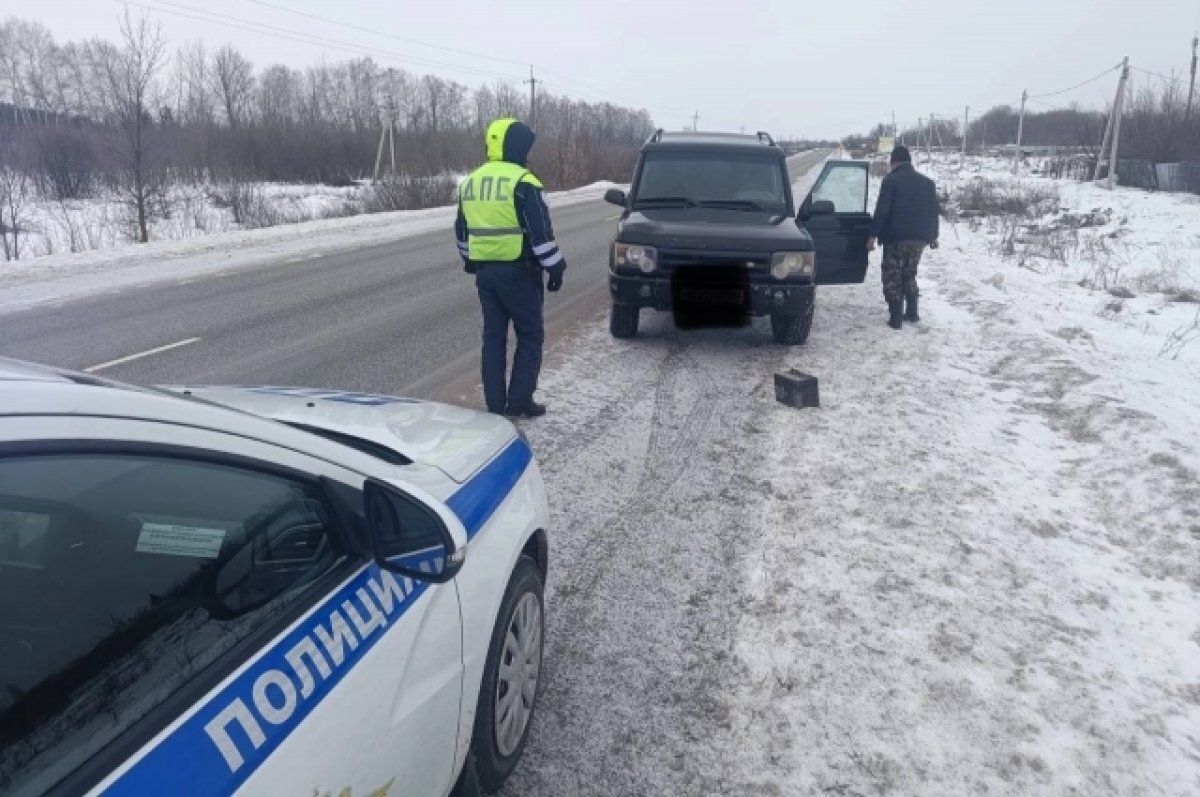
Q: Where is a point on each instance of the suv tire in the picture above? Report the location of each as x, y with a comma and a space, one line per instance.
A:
496, 756
792, 330
623, 323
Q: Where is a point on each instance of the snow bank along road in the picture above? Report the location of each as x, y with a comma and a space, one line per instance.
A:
974, 570
393, 317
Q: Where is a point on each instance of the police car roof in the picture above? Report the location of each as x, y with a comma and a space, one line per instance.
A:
33, 390
687, 138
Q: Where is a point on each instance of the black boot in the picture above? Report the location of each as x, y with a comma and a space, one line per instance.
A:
896, 307
910, 312
530, 410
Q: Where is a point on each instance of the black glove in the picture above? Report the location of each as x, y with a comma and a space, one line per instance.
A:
468, 267
933, 244
556, 277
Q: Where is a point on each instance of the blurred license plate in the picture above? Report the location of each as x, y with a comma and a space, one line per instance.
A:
712, 295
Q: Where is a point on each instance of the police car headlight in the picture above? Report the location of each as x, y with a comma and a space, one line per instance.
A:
793, 264
635, 256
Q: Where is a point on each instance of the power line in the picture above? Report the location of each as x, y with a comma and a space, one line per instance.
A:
361, 29
1157, 75
304, 38
1103, 74
289, 34
315, 37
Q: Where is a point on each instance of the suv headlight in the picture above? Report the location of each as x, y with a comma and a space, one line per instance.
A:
793, 264
635, 256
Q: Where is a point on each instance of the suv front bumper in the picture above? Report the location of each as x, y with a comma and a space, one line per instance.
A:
784, 298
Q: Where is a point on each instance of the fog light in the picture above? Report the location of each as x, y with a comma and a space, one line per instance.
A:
645, 291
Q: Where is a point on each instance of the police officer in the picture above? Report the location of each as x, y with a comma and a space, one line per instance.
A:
506, 240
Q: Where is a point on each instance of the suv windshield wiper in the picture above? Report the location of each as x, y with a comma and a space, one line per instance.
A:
668, 201
732, 204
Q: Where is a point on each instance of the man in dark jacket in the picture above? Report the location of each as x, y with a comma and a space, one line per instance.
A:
506, 240
906, 221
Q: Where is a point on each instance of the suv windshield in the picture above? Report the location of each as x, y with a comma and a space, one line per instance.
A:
730, 180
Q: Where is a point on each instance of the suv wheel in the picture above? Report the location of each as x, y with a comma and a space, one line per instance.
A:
792, 330
623, 323
511, 678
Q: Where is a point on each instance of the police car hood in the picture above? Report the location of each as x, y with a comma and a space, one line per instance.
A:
456, 441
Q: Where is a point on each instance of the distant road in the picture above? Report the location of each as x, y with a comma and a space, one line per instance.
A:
396, 318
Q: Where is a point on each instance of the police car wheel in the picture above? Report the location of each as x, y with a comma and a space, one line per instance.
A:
467, 784
511, 678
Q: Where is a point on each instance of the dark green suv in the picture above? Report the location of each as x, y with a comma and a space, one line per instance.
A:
710, 231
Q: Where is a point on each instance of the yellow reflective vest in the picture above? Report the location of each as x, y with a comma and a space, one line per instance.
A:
488, 199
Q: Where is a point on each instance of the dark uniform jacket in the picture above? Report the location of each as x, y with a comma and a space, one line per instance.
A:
907, 209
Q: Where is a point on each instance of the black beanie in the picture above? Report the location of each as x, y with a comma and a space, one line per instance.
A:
900, 154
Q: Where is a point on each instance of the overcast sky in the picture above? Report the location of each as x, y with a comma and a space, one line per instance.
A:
818, 69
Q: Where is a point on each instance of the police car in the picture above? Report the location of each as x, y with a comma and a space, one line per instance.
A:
262, 591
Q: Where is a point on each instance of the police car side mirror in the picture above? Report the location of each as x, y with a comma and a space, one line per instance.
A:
615, 196
407, 538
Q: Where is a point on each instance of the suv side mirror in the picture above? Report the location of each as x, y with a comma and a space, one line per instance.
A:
408, 539
615, 196
822, 207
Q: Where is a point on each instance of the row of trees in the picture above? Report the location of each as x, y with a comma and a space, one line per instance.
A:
133, 118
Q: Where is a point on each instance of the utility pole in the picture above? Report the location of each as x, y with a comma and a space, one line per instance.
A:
929, 140
1105, 156
983, 135
696, 122
966, 117
895, 133
1020, 133
1116, 143
920, 132
1192, 85
532, 98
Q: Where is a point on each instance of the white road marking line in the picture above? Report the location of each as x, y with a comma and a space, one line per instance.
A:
140, 355
613, 218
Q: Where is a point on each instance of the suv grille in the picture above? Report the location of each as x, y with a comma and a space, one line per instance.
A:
760, 263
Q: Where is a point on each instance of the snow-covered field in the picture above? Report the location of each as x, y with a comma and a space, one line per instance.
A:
185, 212
974, 570
59, 277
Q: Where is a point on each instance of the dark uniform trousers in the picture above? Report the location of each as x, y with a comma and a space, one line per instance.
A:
511, 292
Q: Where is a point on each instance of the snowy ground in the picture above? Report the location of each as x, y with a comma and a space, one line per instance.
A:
59, 277
974, 570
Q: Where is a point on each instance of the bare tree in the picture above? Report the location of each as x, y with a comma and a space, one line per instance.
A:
232, 81
129, 75
14, 193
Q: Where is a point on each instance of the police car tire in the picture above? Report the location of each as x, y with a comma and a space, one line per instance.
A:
491, 767
467, 784
623, 323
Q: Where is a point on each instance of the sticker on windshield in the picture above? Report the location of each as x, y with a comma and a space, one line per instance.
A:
175, 540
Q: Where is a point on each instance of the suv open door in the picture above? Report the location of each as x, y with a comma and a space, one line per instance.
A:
835, 215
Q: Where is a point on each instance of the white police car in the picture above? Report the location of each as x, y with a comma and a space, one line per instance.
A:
343, 600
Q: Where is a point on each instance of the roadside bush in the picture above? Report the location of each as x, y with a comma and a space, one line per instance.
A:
981, 197
67, 165
405, 192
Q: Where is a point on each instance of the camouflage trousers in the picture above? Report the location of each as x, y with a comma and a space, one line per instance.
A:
900, 261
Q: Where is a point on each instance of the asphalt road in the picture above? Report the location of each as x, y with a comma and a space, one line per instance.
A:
398, 318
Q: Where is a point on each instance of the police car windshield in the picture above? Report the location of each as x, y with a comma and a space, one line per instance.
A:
728, 180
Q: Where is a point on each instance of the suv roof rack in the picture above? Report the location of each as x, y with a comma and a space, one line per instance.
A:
764, 135
655, 136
